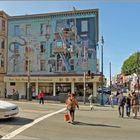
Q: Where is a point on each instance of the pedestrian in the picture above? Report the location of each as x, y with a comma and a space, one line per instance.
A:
121, 103
90, 98
128, 104
111, 100
71, 106
33, 95
5, 93
41, 97
135, 105
68, 100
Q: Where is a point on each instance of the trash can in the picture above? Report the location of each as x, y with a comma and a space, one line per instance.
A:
62, 97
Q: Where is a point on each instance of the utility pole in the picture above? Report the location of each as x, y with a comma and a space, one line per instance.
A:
110, 76
28, 72
138, 68
84, 97
102, 44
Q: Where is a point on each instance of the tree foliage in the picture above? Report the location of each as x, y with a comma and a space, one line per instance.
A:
131, 64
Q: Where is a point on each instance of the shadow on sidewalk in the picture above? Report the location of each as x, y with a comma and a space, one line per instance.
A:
16, 121
91, 124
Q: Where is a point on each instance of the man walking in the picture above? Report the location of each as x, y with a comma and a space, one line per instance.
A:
90, 98
121, 103
111, 98
135, 104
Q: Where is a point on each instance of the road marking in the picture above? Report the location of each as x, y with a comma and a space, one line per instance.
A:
21, 129
36, 111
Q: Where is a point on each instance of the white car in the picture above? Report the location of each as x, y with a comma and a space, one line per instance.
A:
8, 110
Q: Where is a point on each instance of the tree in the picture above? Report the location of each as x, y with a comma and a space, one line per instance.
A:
131, 64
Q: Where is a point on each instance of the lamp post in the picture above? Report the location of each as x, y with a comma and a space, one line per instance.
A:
102, 82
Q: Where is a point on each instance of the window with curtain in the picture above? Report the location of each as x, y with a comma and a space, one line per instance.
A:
28, 29
84, 26
42, 47
45, 29
16, 30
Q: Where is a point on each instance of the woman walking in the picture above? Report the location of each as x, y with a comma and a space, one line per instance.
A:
128, 105
71, 106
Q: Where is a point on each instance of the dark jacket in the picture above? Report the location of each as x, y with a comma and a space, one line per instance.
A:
121, 100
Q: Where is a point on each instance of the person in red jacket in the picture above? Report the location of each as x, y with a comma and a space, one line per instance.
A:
41, 97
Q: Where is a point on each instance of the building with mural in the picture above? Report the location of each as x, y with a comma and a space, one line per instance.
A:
50, 52
3, 51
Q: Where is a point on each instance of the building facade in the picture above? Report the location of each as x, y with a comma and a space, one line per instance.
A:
3, 51
50, 52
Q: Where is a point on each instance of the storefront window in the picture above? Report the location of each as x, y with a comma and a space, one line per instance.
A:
79, 89
47, 88
63, 88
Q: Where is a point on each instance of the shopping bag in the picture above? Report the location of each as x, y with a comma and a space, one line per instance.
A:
66, 117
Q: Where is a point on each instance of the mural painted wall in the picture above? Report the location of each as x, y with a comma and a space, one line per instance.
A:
3, 50
52, 44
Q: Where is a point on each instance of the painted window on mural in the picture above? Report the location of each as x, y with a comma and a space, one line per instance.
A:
16, 49
84, 26
59, 44
26, 65
72, 64
42, 65
16, 30
28, 29
42, 47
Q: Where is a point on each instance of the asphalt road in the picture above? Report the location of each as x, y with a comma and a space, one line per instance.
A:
47, 122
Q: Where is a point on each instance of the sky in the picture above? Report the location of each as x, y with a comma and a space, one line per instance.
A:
119, 24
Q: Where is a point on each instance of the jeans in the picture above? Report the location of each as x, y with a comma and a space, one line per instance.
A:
128, 110
121, 110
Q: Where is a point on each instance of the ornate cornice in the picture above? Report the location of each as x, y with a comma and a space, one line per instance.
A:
65, 13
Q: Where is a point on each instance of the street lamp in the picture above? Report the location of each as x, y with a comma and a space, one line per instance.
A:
102, 82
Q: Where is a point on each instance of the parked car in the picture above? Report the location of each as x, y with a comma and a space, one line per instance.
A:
7, 109
105, 91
